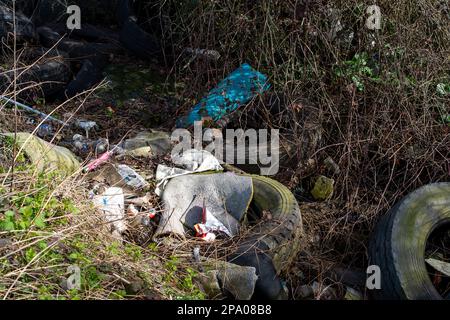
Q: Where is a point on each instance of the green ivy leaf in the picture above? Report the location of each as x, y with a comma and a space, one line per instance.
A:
39, 222
7, 226
23, 225
27, 211
30, 254
9, 214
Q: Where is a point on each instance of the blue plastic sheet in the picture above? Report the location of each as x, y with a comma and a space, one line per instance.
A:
237, 89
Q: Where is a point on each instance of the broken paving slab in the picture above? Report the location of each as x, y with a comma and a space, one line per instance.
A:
221, 277
44, 155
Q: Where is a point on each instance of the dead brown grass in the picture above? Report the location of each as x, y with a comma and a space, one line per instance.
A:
387, 139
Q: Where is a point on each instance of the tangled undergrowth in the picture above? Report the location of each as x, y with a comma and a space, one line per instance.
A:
375, 101
51, 236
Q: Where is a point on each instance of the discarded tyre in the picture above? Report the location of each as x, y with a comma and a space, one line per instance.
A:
273, 243
46, 11
93, 11
89, 75
24, 30
47, 77
51, 76
141, 43
77, 49
399, 242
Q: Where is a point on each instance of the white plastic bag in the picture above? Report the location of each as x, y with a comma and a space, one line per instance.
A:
112, 204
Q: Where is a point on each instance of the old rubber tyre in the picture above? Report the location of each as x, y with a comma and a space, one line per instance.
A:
49, 76
25, 30
399, 241
272, 244
139, 42
92, 11
78, 50
89, 75
53, 74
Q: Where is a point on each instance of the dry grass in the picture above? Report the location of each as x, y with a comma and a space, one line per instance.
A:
387, 136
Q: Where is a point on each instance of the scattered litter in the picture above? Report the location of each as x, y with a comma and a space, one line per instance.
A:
27, 108
193, 161
85, 145
140, 218
441, 266
227, 197
209, 54
146, 144
98, 162
45, 131
323, 188
237, 89
443, 89
197, 259
141, 201
95, 191
111, 203
196, 254
152, 213
132, 211
131, 177
101, 146
209, 226
331, 165
86, 126
335, 16
44, 155
77, 137
197, 161
80, 143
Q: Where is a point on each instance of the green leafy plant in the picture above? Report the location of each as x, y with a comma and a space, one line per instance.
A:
34, 208
7, 224
134, 251
443, 88
356, 70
